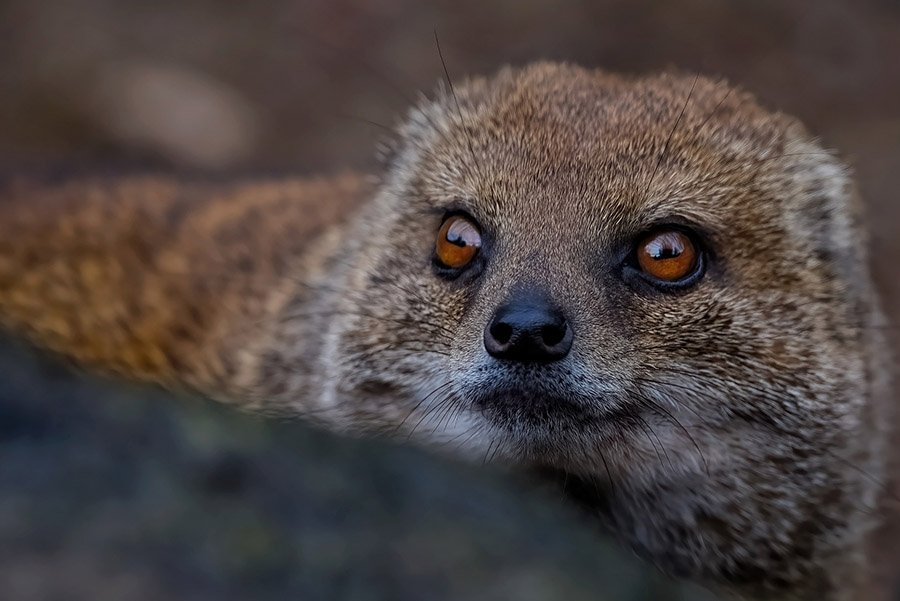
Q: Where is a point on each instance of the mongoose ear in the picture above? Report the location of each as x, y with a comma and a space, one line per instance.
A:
827, 210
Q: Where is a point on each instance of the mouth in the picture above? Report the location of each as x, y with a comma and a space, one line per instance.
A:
519, 407
540, 419
560, 430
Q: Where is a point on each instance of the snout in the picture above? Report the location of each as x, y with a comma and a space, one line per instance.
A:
528, 328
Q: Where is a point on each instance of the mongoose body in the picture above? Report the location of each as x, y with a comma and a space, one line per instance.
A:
651, 287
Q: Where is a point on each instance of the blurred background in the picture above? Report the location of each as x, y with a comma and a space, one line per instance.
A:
288, 86
307, 85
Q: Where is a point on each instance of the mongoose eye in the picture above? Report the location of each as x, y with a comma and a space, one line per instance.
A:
458, 241
667, 255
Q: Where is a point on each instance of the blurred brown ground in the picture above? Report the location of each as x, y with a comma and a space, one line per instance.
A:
275, 85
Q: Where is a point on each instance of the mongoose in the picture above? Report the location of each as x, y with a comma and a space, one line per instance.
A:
650, 288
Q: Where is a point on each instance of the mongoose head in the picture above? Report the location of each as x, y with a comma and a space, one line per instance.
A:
652, 286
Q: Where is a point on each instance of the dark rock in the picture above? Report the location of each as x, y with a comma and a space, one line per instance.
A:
111, 492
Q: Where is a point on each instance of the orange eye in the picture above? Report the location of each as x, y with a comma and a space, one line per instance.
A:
667, 255
457, 242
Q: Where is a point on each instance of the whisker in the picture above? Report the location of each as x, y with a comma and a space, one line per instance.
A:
429, 411
454, 410
650, 403
456, 102
692, 392
367, 121
494, 454
645, 426
715, 109
484, 459
419, 404
665, 150
612, 483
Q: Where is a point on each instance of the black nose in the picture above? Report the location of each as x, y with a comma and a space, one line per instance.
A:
528, 330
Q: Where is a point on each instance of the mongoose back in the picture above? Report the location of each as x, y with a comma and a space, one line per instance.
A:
650, 288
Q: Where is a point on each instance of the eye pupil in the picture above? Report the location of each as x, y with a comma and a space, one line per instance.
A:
456, 238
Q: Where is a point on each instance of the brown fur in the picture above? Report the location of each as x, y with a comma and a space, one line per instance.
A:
730, 432
157, 279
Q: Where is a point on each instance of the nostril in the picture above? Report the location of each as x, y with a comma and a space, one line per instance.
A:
553, 334
528, 331
501, 332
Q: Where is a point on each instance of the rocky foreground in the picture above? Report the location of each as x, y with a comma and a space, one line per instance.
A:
118, 493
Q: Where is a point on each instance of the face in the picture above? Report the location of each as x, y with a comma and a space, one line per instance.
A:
651, 287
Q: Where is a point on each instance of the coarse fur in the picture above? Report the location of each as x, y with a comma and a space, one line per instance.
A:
730, 432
